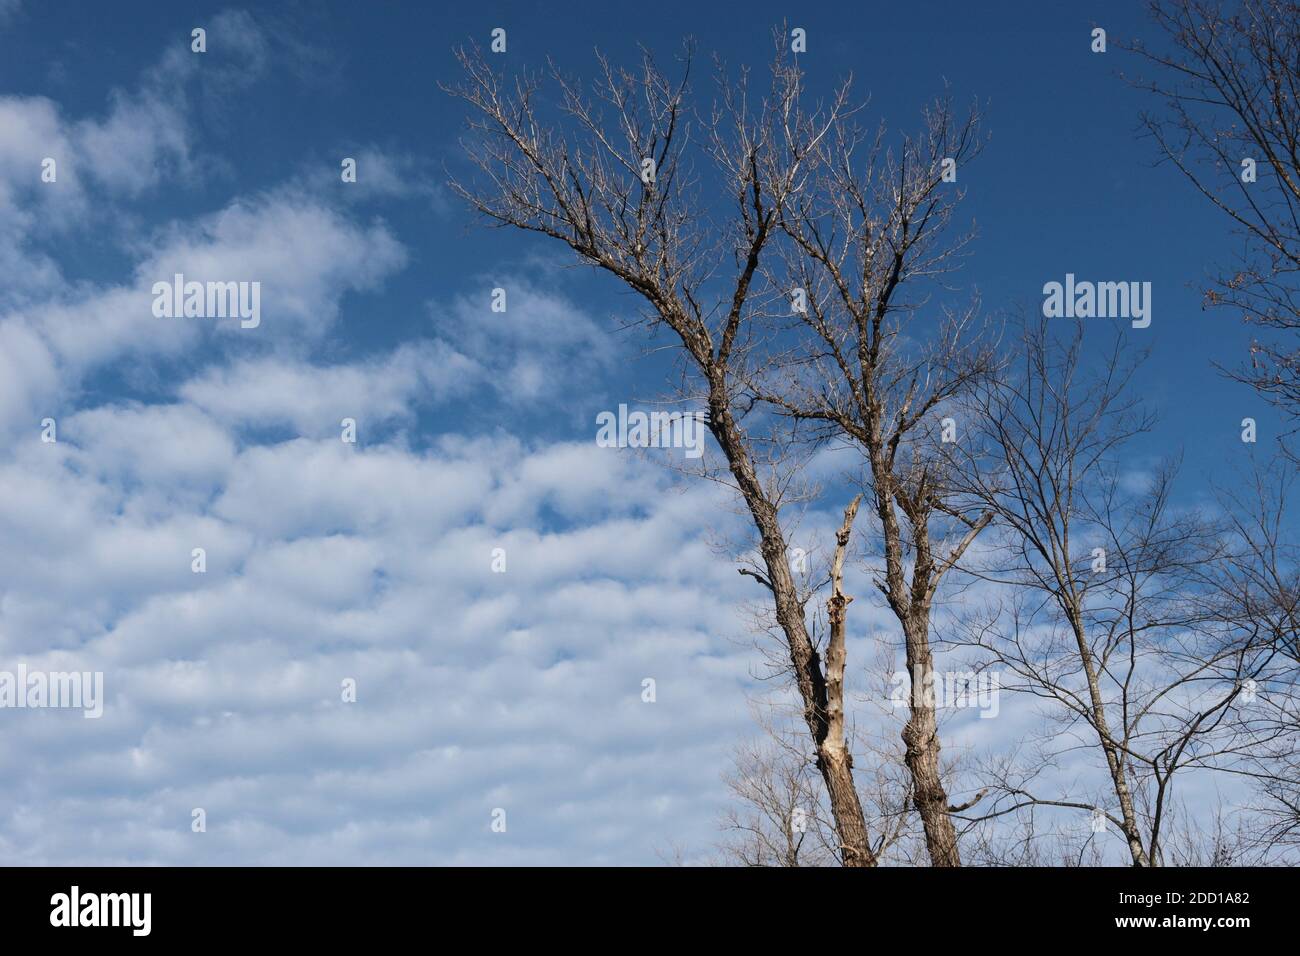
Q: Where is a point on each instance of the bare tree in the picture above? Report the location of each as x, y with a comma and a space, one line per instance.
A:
1029, 842
780, 820
1106, 617
1255, 599
1231, 123
611, 177
861, 250
782, 817
1221, 842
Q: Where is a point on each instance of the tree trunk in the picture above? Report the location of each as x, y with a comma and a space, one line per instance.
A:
833, 758
1114, 758
921, 737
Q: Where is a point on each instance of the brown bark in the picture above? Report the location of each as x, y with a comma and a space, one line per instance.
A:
834, 761
867, 235
833, 750
921, 737
911, 605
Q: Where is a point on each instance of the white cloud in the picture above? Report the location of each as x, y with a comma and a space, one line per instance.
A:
324, 560
313, 399
305, 255
542, 346
308, 257
476, 689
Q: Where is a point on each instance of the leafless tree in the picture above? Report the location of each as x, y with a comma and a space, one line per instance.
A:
1228, 82
862, 251
856, 241
1105, 617
1028, 842
1225, 839
781, 816
611, 174
1255, 598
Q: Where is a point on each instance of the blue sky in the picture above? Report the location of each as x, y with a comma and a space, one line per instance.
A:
476, 690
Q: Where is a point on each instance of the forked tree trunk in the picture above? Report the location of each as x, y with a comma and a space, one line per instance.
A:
834, 761
911, 603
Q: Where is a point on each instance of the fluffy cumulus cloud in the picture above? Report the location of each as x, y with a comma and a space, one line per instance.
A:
314, 398
306, 254
326, 561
